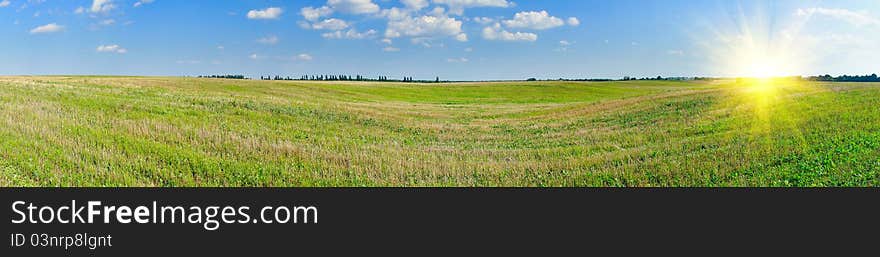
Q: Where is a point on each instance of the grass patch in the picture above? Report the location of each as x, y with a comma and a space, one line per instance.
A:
147, 131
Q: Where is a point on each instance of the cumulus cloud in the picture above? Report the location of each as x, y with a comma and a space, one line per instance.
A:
484, 20
457, 60
853, 17
572, 21
269, 40
111, 49
425, 26
563, 45
395, 13
313, 14
457, 6
330, 24
495, 32
426, 42
102, 6
48, 28
350, 34
415, 4
4, 3
533, 20
391, 49
143, 2
354, 6
304, 57
271, 13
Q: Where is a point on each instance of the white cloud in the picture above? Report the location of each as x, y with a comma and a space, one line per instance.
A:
5, 3
255, 57
483, 20
271, 13
563, 45
415, 4
425, 26
350, 34
457, 60
457, 6
572, 21
111, 49
533, 20
102, 6
143, 2
304, 24
354, 6
495, 32
426, 42
80, 10
107, 22
387, 41
330, 24
395, 13
48, 28
313, 14
304, 57
390, 49
853, 17
269, 40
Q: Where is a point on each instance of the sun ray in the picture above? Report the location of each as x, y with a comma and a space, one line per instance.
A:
766, 57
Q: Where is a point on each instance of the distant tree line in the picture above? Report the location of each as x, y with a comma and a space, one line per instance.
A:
325, 77
662, 78
627, 78
846, 78
224, 77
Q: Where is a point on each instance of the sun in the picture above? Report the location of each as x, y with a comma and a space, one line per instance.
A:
762, 64
751, 44
765, 69
759, 59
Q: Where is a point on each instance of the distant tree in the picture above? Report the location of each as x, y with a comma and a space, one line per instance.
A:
846, 78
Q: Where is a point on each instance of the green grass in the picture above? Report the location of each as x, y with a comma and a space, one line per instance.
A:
147, 131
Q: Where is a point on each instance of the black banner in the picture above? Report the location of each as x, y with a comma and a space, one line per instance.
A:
416, 221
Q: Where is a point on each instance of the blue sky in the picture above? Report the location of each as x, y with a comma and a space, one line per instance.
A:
453, 39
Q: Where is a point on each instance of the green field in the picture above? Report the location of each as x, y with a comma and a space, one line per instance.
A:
149, 131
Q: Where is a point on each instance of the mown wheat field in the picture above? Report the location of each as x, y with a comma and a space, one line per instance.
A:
152, 131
